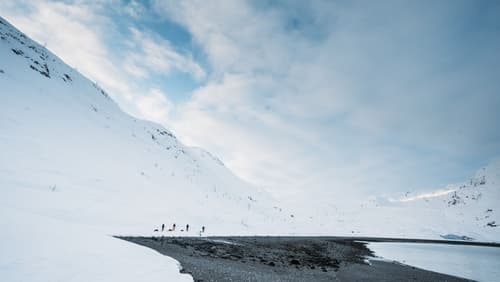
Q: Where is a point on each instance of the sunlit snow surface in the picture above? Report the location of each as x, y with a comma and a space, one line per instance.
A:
472, 262
38, 248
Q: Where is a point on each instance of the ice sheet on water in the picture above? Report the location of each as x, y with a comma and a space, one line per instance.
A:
472, 262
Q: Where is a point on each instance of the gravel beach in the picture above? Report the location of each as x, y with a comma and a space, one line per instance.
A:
282, 259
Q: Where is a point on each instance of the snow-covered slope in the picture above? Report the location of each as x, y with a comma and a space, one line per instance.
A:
63, 137
75, 169
469, 210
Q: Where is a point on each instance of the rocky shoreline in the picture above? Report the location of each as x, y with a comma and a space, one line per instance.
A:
282, 259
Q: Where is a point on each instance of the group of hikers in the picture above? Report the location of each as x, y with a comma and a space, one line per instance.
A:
174, 226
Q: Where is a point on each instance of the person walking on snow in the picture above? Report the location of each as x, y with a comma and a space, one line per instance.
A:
187, 227
173, 227
162, 227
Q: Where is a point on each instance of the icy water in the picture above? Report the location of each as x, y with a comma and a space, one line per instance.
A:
472, 262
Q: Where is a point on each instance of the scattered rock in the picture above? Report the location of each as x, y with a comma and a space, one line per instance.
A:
492, 224
294, 262
17, 52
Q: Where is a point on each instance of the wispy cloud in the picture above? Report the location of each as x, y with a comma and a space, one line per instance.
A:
155, 106
152, 54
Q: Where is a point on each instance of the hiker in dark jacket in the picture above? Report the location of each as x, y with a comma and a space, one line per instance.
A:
162, 227
187, 227
173, 227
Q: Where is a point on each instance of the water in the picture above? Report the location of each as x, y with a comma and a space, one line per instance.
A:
472, 262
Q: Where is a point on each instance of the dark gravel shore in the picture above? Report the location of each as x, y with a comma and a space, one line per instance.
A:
281, 259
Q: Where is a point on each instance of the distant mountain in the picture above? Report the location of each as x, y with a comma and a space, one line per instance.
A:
469, 209
465, 211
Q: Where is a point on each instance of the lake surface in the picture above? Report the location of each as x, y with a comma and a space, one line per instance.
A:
473, 262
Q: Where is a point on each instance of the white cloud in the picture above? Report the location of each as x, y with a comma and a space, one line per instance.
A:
151, 54
155, 106
134, 9
252, 142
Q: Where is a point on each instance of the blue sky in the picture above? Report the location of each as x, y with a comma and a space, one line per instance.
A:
351, 97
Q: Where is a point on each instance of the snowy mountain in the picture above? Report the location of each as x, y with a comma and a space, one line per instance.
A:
65, 138
468, 210
75, 169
